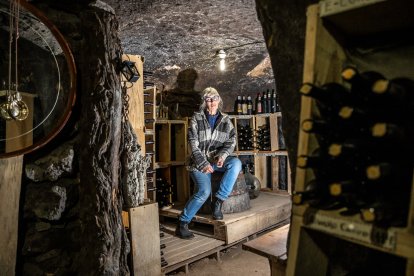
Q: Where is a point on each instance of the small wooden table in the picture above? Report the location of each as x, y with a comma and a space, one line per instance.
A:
271, 245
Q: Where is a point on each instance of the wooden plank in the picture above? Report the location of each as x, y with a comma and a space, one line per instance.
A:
163, 138
136, 101
179, 250
10, 183
296, 223
182, 183
18, 133
275, 167
260, 170
247, 226
179, 134
274, 132
145, 240
271, 245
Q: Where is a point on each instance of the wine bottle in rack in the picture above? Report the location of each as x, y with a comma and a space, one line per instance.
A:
147, 73
148, 84
258, 106
249, 105
361, 83
237, 108
239, 105
269, 101
396, 92
148, 103
386, 213
244, 105
316, 194
329, 96
149, 142
264, 102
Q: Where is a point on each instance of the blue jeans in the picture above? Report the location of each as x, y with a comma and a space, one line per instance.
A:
231, 168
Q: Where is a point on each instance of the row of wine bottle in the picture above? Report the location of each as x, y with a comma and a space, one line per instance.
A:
365, 157
267, 102
250, 139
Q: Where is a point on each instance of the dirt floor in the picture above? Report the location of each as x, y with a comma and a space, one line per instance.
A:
234, 262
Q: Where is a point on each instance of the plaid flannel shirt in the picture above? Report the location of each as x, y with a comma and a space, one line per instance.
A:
207, 145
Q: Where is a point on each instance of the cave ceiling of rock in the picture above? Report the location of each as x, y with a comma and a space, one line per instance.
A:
176, 35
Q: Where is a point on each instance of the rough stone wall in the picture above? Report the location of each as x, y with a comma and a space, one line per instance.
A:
284, 28
180, 35
73, 223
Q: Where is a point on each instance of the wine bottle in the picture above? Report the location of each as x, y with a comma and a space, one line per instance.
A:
249, 105
259, 108
239, 105
148, 103
361, 83
244, 105
264, 102
395, 92
395, 174
386, 213
269, 101
236, 105
147, 73
273, 108
149, 142
329, 96
149, 121
315, 193
148, 84
331, 169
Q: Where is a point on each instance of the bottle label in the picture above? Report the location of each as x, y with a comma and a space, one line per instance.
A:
353, 230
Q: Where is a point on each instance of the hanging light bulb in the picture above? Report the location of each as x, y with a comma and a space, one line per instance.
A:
222, 55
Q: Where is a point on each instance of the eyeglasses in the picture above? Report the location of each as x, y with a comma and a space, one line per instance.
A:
210, 99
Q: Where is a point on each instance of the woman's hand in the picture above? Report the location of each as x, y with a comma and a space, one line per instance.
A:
220, 162
207, 169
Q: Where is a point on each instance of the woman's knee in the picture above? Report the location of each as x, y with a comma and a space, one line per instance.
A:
202, 195
235, 164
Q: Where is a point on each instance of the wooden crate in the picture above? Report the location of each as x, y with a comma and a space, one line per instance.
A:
266, 163
171, 149
311, 229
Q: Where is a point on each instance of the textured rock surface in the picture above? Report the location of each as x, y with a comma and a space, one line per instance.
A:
182, 34
51, 167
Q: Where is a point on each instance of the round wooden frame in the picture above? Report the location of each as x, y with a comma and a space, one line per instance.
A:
72, 89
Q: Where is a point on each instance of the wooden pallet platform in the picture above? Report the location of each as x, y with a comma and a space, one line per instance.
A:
180, 253
266, 211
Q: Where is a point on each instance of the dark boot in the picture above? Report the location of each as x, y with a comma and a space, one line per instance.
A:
182, 230
216, 208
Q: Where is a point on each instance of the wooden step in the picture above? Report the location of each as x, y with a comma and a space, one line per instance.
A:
266, 211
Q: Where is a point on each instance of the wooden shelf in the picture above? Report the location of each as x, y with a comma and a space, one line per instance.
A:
159, 165
395, 240
264, 115
262, 153
330, 43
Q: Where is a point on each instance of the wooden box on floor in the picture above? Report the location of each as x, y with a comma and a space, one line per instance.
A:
316, 234
145, 240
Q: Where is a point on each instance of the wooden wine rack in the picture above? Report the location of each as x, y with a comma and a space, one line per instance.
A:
266, 163
325, 57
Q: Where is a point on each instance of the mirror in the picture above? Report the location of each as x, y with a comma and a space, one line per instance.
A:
37, 94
